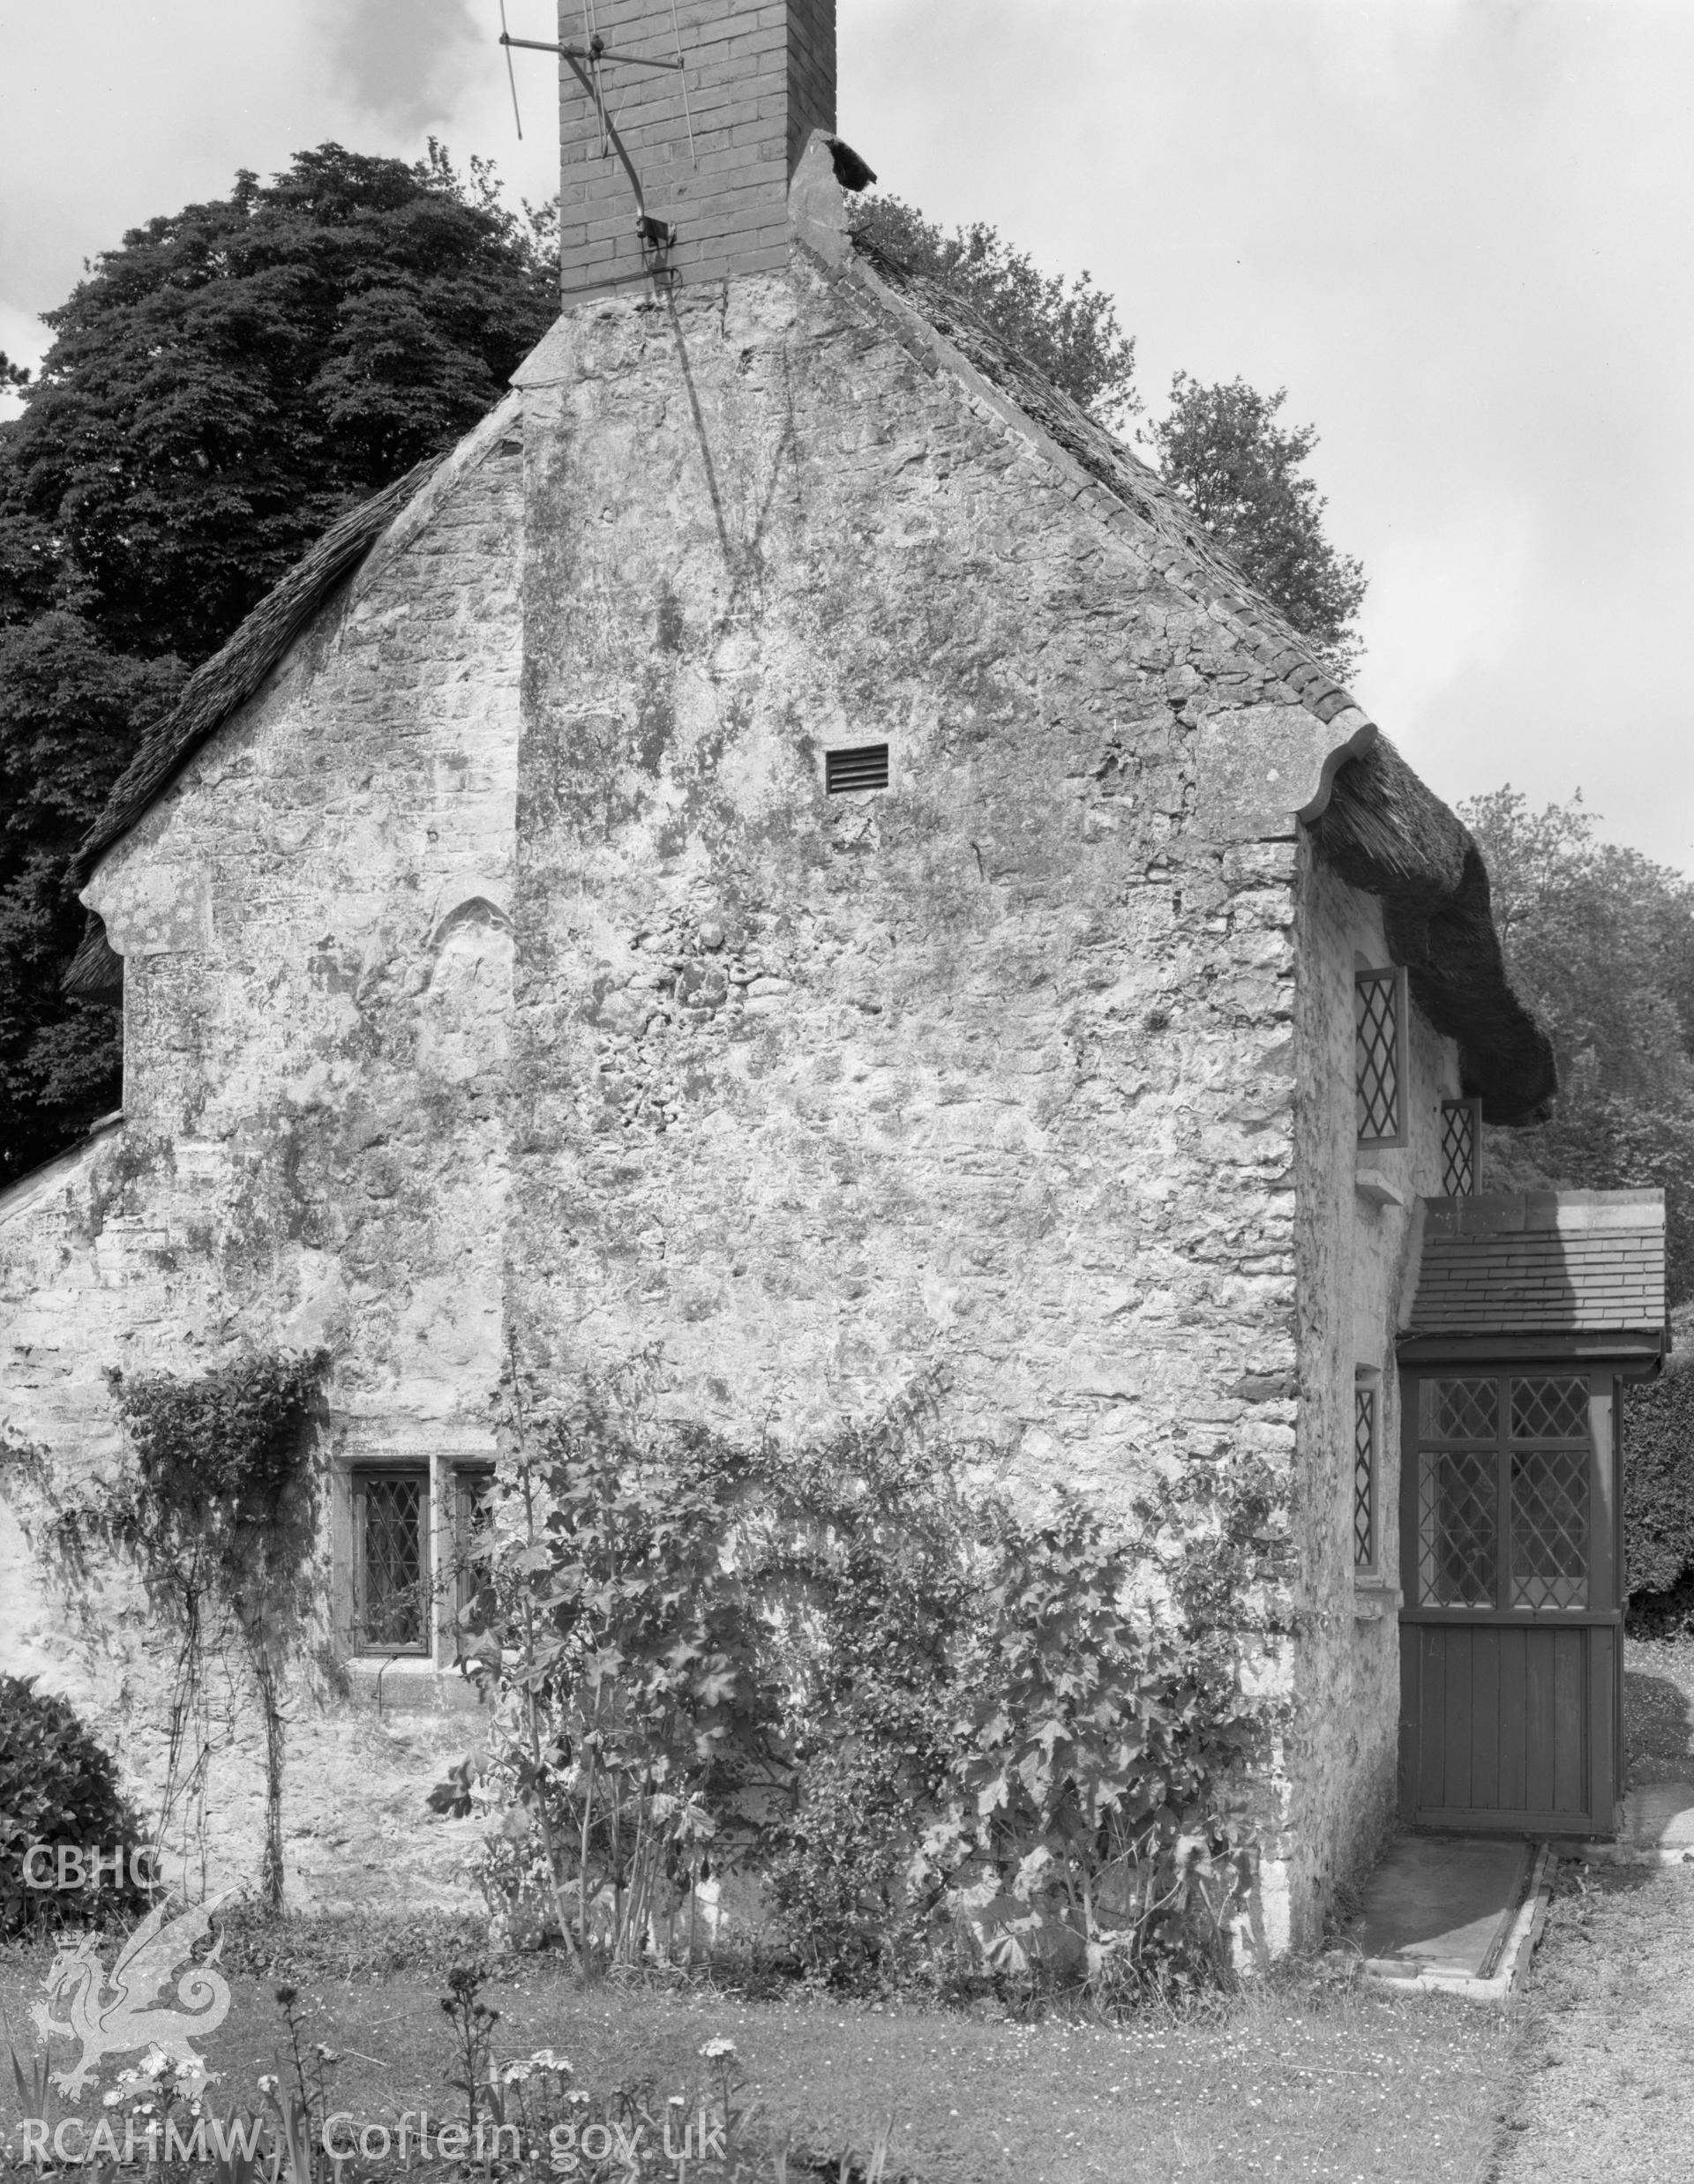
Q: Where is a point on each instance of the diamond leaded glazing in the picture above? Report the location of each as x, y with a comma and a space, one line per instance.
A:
1549, 1410
1377, 1055
1458, 1148
1364, 1471
1549, 1527
1456, 1529
1459, 1411
394, 1591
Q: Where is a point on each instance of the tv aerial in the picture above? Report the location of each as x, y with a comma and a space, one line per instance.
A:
585, 63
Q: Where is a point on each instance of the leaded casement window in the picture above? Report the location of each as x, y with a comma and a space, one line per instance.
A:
1364, 1542
1461, 1148
392, 1562
1380, 1056
1504, 1465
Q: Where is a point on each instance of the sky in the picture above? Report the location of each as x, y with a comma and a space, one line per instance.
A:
1456, 231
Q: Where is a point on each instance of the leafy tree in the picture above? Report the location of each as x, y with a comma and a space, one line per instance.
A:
11, 374
1600, 941
219, 388
1239, 469
1071, 334
1220, 447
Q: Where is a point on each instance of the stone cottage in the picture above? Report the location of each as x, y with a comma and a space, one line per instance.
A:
782, 870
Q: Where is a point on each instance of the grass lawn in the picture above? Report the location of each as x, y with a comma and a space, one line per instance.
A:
1602, 2095
1291, 2084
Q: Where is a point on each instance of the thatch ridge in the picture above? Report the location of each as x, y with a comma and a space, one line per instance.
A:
232, 676
1382, 831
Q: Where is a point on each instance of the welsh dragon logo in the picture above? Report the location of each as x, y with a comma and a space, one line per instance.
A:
117, 2018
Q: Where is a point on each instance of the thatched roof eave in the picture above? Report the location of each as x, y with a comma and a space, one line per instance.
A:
232, 676
1383, 831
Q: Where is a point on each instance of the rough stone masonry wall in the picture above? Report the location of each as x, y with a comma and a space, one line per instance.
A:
1354, 1254
985, 1084
318, 979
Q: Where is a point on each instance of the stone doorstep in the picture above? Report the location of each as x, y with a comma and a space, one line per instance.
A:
1499, 1907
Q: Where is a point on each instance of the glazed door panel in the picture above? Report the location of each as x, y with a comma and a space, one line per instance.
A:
1511, 1643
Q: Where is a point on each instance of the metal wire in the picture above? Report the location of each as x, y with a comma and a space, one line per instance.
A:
512, 74
682, 78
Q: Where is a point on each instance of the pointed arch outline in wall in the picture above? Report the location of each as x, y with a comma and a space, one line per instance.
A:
464, 1009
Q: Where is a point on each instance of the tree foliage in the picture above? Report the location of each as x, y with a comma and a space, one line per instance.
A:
1600, 941
1659, 1485
1222, 447
1072, 334
1239, 470
219, 388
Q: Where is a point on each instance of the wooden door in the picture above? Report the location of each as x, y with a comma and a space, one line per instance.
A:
1511, 1634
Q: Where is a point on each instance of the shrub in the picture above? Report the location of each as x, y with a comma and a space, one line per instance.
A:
1658, 1480
927, 1724
56, 1785
1093, 1819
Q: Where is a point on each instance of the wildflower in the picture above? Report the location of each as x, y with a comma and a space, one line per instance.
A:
267, 2083
577, 2098
111, 2099
516, 2073
287, 1994
713, 2049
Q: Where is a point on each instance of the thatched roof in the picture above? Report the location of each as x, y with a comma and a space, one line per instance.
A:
1382, 830
231, 677
96, 972
1385, 832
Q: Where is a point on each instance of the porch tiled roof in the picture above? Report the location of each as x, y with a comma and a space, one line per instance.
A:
1541, 1262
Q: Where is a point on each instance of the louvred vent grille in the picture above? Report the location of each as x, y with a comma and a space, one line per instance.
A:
864, 767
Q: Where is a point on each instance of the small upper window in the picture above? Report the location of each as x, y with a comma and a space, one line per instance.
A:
865, 767
1379, 1052
1364, 1475
1461, 1148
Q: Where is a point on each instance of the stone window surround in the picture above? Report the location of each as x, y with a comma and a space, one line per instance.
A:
1375, 1592
1391, 974
444, 1468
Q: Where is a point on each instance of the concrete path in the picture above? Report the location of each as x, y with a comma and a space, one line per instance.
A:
1458, 1913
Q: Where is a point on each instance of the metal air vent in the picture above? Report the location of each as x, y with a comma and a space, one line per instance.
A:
865, 767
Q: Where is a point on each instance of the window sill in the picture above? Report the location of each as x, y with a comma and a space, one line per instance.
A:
1373, 1598
1374, 1187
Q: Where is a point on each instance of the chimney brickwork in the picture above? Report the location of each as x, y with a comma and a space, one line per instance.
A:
761, 76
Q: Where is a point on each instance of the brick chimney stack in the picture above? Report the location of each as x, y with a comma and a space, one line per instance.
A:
760, 76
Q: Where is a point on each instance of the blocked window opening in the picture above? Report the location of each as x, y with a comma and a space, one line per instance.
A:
865, 767
472, 1515
1461, 1148
391, 1562
1379, 1055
